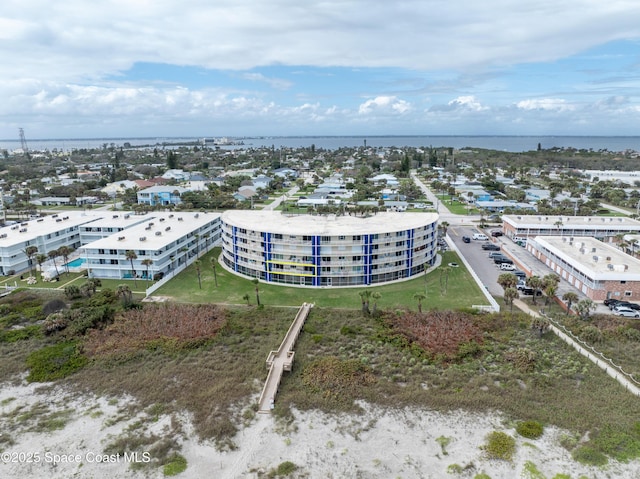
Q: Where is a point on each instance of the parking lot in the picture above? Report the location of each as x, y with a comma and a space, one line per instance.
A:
477, 258
488, 271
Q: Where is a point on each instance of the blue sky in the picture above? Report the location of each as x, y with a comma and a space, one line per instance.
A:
125, 68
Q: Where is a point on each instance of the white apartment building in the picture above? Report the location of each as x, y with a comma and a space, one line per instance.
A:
47, 233
109, 224
331, 250
601, 227
169, 240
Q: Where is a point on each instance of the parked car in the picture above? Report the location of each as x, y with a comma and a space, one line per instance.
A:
466, 239
529, 292
507, 266
490, 247
627, 313
495, 254
610, 302
520, 274
624, 304
496, 233
480, 237
521, 285
502, 259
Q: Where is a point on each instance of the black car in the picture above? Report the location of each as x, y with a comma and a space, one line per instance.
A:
502, 259
529, 292
520, 274
490, 247
496, 233
466, 239
611, 302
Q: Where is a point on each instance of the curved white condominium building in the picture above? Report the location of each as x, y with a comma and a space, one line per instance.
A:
328, 250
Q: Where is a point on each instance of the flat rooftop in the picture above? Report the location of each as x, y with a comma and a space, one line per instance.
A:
329, 225
598, 260
576, 222
120, 220
16, 234
170, 226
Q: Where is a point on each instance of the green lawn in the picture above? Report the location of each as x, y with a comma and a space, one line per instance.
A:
461, 291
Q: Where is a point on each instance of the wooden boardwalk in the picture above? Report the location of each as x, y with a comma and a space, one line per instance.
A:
281, 360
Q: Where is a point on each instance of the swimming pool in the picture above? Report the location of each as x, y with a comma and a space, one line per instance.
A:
76, 263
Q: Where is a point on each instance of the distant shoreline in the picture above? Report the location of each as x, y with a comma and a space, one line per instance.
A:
508, 143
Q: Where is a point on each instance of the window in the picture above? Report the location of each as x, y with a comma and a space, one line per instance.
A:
357, 238
100, 251
623, 282
628, 294
113, 251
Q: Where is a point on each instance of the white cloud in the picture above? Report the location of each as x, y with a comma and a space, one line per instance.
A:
384, 105
276, 83
467, 102
549, 104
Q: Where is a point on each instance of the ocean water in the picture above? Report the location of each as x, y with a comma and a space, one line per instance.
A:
503, 143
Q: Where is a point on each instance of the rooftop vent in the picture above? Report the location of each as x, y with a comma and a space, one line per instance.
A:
143, 238
15, 227
161, 219
593, 250
58, 220
40, 220
114, 216
167, 228
54, 216
595, 258
197, 215
120, 238
610, 266
158, 233
148, 228
3, 235
180, 218
171, 216
65, 217
23, 230
608, 258
126, 217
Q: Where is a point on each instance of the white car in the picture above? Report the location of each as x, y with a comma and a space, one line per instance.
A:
627, 312
507, 267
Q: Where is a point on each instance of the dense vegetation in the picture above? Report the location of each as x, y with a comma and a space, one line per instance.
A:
209, 361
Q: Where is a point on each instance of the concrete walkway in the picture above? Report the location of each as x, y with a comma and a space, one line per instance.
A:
281, 360
596, 358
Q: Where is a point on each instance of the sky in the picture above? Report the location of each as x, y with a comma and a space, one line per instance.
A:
214, 68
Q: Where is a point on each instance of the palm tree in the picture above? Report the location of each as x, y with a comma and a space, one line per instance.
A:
30, 251
507, 280
124, 293
534, 282
419, 297
509, 295
376, 296
444, 225
540, 325
40, 259
247, 298
444, 273
584, 308
364, 297
197, 264
214, 262
131, 255
65, 251
146, 263
570, 297
256, 282
53, 254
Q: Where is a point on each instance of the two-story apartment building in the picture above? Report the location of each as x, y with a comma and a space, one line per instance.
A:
598, 269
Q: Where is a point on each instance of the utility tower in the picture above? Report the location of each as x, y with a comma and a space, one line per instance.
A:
23, 143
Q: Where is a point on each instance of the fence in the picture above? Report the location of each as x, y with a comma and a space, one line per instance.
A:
608, 365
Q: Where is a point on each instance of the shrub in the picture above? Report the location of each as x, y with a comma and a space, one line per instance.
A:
72, 292
285, 468
482, 475
176, 465
592, 334
590, 456
20, 334
53, 306
55, 362
500, 446
530, 429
